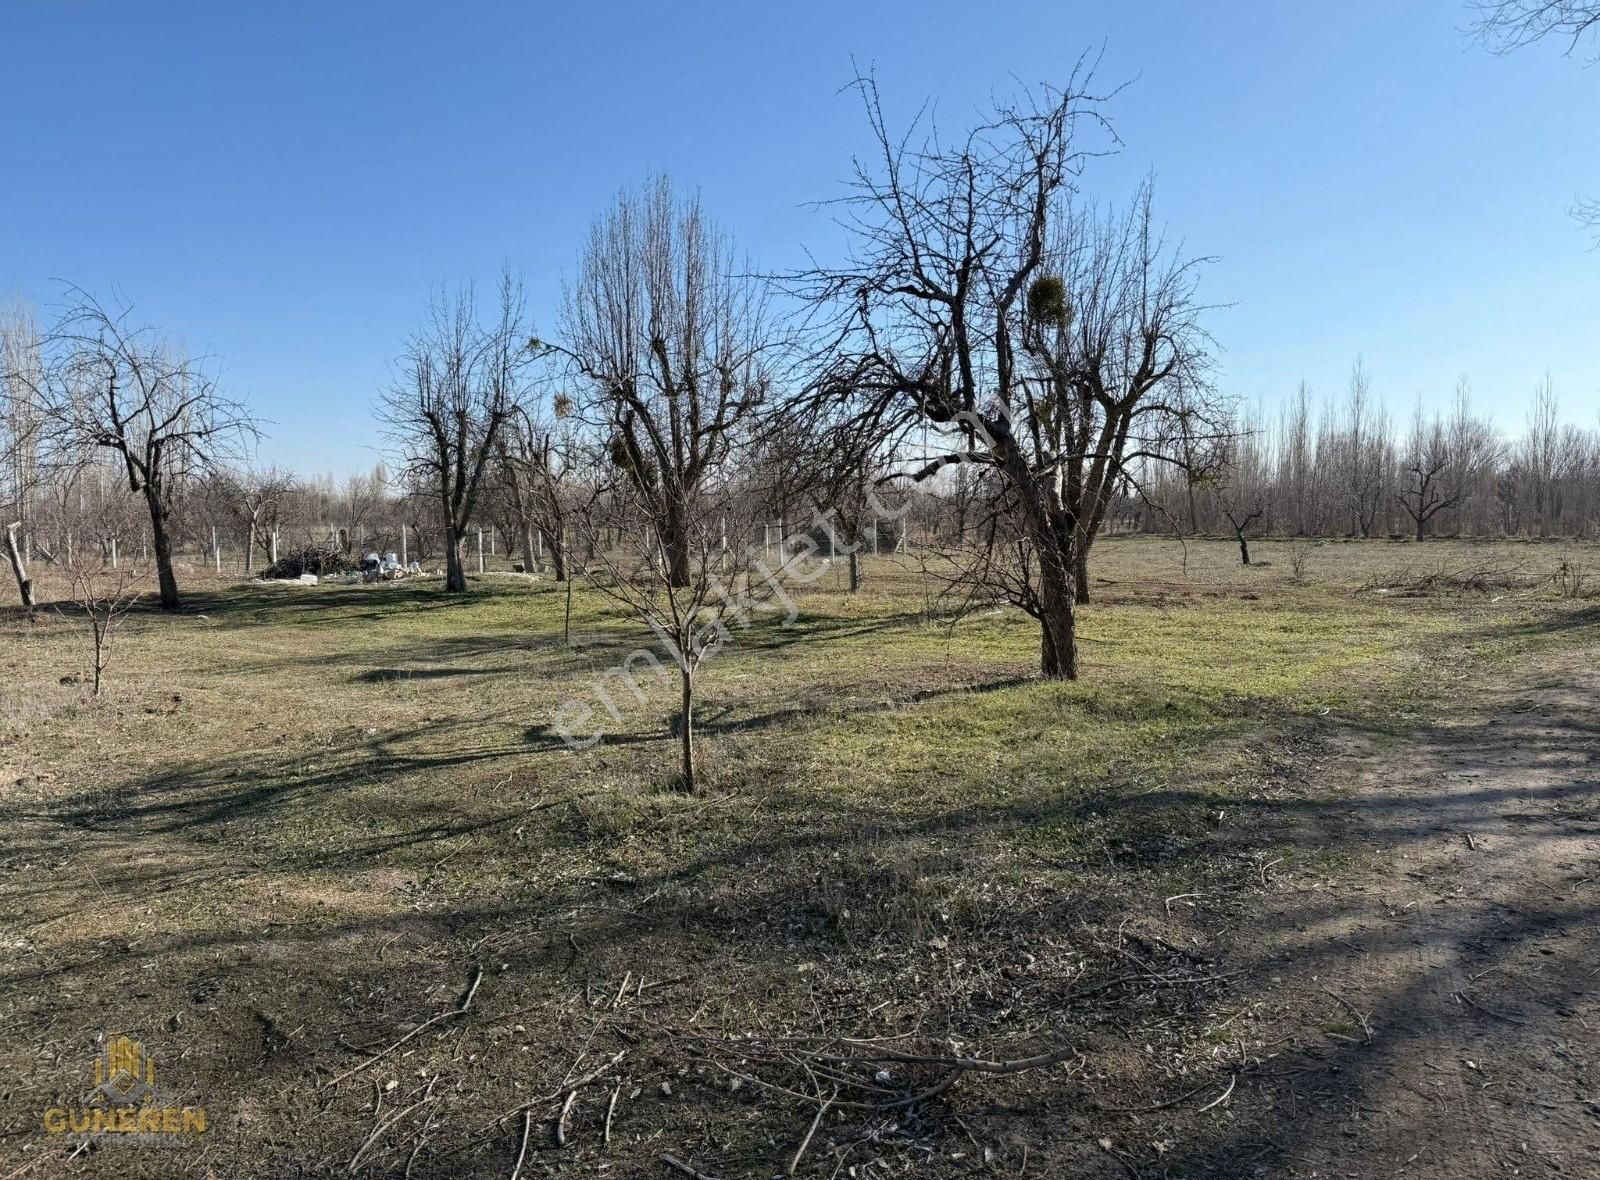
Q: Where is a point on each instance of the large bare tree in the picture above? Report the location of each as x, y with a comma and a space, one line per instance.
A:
106, 382
669, 336
1058, 350
460, 383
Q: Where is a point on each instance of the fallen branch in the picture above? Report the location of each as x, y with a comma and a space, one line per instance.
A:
567, 1089
522, 1152
1220, 1098
673, 1161
1471, 1003
424, 1026
794, 1163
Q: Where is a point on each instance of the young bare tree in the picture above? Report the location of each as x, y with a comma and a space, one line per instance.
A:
108, 383
103, 594
669, 337
461, 381
1058, 350
1240, 483
692, 600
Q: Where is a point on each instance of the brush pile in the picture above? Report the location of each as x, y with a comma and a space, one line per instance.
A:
319, 560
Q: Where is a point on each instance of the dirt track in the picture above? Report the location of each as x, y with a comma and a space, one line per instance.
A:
1453, 976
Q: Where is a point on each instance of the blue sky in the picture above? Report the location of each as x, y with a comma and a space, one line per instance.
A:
283, 184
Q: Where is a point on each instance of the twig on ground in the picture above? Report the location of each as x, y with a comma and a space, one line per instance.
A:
423, 1027
522, 1152
1185, 1096
794, 1163
564, 1118
1222, 1097
1366, 1029
566, 1088
1471, 1003
611, 1109
1178, 897
674, 1162
382, 1128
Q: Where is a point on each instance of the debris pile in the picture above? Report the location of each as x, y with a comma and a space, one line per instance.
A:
322, 562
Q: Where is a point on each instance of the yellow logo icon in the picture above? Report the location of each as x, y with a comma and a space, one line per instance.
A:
124, 1106
123, 1075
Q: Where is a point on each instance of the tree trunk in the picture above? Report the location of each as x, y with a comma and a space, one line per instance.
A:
163, 545
558, 555
455, 576
674, 537
19, 568
686, 725
1244, 546
1422, 526
100, 638
1058, 622
1080, 573
855, 570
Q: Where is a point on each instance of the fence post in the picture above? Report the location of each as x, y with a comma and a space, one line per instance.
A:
480, 551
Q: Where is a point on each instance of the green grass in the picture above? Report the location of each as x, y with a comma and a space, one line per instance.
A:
319, 807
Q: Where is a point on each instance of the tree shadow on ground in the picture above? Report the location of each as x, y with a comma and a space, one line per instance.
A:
1136, 926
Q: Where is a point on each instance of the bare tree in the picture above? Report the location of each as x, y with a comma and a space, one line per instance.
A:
1443, 460
255, 497
19, 565
103, 594
461, 382
108, 383
669, 335
692, 599
1240, 484
1056, 350
1505, 25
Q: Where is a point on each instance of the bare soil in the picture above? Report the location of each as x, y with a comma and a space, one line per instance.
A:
1300, 882
1454, 973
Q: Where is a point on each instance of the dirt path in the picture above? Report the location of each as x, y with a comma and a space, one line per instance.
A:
1453, 976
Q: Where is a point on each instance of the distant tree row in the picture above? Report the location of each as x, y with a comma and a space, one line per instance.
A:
1353, 469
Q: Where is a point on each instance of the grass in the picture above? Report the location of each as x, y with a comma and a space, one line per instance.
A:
302, 818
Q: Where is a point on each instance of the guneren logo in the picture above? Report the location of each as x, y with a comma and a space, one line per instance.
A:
125, 1106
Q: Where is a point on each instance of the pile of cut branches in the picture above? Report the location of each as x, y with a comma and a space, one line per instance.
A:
1490, 578
313, 559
